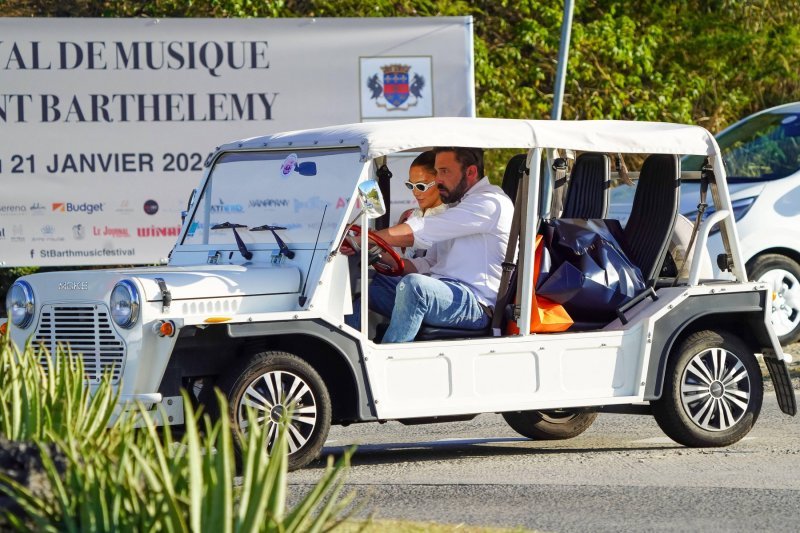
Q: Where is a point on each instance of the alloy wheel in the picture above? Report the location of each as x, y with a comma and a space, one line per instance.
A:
278, 396
785, 289
715, 389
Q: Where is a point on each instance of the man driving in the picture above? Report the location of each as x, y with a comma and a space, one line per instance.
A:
460, 288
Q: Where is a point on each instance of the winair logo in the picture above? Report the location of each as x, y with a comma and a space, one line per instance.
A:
69, 207
159, 231
73, 286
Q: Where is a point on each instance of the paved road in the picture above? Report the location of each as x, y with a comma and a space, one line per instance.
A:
623, 474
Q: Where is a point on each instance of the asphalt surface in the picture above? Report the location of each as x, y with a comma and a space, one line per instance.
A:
622, 474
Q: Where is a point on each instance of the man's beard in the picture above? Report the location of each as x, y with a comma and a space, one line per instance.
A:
454, 196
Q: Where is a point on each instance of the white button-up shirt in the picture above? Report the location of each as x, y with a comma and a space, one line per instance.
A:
471, 239
412, 253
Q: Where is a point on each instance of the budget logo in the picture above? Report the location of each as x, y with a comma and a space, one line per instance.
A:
84, 208
396, 87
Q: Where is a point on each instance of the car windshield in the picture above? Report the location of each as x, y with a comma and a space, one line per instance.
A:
765, 147
288, 191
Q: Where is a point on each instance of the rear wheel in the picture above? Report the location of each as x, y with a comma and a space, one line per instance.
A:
273, 384
782, 275
549, 425
712, 391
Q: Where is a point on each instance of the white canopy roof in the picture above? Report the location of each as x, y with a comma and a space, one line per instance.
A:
376, 139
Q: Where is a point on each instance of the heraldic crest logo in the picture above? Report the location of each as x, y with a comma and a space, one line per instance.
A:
395, 87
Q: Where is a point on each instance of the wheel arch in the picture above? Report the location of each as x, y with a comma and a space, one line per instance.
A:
788, 252
744, 314
334, 355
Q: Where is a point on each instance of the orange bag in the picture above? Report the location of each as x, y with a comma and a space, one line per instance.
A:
547, 316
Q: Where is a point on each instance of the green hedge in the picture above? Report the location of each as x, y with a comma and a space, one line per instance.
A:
693, 61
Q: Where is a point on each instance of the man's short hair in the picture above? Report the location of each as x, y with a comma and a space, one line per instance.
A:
465, 156
426, 160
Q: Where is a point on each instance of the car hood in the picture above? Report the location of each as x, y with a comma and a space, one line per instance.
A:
184, 283
224, 280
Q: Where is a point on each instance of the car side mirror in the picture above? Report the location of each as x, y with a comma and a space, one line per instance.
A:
306, 168
371, 199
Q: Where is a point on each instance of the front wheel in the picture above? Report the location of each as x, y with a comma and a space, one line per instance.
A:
712, 391
549, 425
276, 383
782, 275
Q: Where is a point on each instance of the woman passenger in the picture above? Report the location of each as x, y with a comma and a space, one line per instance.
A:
422, 183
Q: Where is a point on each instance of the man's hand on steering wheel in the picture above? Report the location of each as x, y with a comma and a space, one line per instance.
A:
383, 258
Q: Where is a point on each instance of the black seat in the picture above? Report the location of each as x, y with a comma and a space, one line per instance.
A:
653, 213
589, 183
512, 175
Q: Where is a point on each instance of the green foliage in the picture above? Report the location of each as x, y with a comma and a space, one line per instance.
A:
686, 61
134, 477
36, 404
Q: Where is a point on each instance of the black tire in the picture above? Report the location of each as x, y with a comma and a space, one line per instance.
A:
262, 373
712, 391
782, 274
549, 425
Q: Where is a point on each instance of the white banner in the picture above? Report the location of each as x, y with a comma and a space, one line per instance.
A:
105, 124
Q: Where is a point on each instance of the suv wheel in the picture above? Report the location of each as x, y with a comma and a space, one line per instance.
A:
782, 275
549, 425
274, 383
712, 391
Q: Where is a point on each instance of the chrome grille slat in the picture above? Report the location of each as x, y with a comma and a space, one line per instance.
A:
87, 330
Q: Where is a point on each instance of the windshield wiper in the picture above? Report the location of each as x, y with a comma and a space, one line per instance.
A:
284, 250
247, 254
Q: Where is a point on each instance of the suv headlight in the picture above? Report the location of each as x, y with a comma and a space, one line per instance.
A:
20, 304
740, 208
125, 304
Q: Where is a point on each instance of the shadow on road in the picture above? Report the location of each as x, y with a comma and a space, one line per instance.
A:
453, 449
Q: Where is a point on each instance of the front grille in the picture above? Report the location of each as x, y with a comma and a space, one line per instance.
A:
86, 330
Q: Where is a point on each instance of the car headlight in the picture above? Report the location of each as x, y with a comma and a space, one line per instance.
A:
125, 304
740, 208
20, 304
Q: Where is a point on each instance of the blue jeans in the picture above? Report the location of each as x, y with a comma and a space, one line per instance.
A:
415, 299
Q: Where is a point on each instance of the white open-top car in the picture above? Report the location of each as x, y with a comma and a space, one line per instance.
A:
254, 296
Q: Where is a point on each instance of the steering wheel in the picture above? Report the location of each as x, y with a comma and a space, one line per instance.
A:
383, 258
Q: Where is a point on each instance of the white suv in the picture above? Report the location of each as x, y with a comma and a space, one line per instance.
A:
762, 159
254, 297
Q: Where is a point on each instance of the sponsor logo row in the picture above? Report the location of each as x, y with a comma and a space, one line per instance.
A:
151, 207
79, 232
84, 208
295, 204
